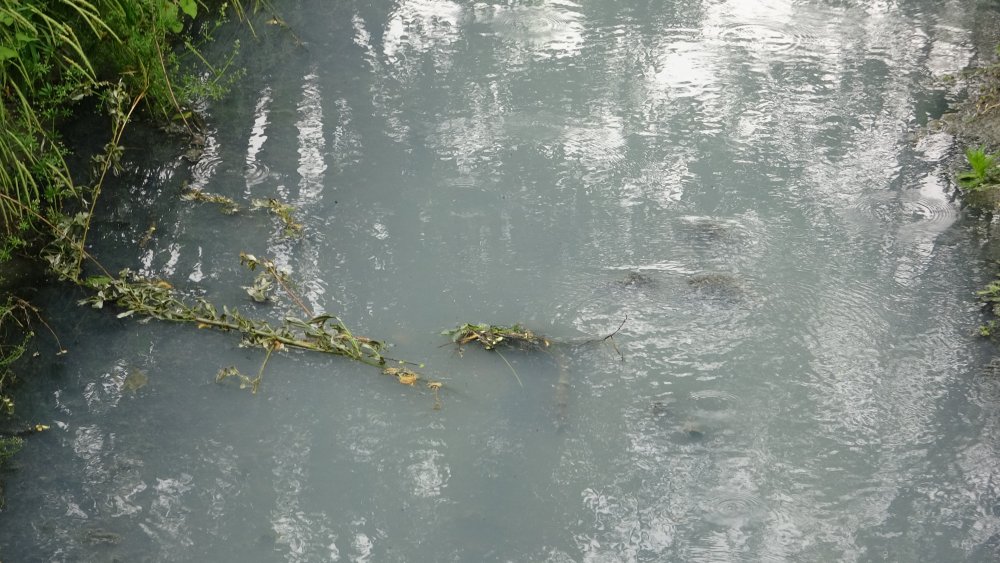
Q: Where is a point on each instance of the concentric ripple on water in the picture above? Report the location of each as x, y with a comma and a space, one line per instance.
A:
733, 509
765, 37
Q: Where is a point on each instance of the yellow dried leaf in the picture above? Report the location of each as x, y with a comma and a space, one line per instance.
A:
408, 379
435, 385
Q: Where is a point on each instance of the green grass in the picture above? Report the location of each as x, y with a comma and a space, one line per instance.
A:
982, 169
122, 57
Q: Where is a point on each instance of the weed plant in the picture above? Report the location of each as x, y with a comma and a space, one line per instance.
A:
982, 171
125, 57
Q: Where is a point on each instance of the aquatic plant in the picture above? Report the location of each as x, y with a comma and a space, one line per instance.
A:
492, 336
17, 319
14, 337
260, 290
120, 54
9, 445
228, 206
158, 299
989, 296
283, 211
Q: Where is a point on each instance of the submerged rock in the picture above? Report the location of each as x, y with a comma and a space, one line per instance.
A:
98, 536
635, 279
135, 380
710, 229
718, 284
693, 431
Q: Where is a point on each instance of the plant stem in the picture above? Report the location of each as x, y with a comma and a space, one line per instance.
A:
115, 140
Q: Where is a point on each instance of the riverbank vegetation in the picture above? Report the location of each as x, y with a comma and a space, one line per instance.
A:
124, 59
976, 124
129, 59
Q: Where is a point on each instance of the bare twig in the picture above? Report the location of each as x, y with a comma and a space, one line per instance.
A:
78, 245
29, 307
611, 338
512, 370
170, 89
115, 142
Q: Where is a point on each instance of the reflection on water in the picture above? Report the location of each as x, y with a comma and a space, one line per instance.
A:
743, 181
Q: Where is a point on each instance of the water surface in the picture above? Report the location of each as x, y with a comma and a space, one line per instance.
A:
797, 378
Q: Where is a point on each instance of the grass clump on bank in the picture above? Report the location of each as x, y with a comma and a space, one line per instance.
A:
58, 58
980, 182
976, 123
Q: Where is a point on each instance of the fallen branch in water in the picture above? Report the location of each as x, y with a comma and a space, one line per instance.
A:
491, 336
611, 338
157, 299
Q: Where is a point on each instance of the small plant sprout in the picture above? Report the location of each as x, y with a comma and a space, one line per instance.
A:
982, 169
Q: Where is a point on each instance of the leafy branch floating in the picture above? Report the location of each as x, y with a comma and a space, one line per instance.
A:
157, 299
228, 206
283, 211
491, 336
260, 291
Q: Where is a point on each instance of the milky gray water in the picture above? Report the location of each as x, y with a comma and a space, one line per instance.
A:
749, 184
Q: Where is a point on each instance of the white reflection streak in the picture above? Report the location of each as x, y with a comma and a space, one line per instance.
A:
88, 445
306, 535
598, 147
427, 475
196, 274
258, 136
421, 25
167, 517
203, 170
363, 39
550, 30
414, 28
311, 144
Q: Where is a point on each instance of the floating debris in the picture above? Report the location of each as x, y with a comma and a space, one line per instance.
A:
635, 280
718, 284
229, 207
98, 536
402, 375
283, 211
491, 336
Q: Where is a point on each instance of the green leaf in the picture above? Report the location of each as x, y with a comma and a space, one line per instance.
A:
97, 282
320, 320
189, 7
7, 53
